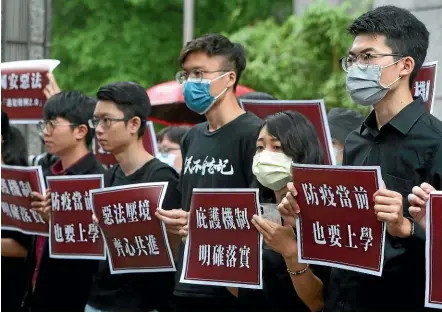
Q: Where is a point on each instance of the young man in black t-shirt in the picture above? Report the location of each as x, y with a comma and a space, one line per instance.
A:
217, 153
120, 121
62, 284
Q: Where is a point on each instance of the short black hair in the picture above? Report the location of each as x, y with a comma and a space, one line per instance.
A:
14, 149
299, 139
174, 133
73, 106
5, 125
129, 97
404, 33
218, 45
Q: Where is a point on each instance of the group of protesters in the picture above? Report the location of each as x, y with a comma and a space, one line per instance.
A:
399, 135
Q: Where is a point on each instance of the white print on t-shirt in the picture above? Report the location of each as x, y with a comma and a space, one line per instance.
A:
192, 166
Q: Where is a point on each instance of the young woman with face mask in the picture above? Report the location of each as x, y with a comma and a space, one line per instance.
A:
288, 285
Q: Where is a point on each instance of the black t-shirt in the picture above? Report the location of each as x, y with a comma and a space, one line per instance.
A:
63, 284
278, 293
218, 159
137, 291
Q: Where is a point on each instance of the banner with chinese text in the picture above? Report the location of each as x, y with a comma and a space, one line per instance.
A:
73, 234
17, 184
22, 94
149, 141
433, 293
313, 110
222, 247
337, 226
425, 84
136, 240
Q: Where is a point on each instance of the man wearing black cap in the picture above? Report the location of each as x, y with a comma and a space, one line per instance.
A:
342, 122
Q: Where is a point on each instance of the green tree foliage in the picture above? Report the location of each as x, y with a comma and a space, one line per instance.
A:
101, 41
300, 58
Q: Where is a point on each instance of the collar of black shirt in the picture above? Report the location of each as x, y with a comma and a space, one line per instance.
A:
403, 121
83, 165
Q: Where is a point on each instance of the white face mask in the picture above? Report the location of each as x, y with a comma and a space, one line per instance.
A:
167, 158
272, 169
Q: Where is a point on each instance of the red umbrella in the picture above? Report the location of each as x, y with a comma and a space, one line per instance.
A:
168, 107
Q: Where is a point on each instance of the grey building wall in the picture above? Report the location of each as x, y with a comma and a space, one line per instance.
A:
26, 36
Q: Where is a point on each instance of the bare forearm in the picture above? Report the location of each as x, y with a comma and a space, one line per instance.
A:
11, 248
307, 285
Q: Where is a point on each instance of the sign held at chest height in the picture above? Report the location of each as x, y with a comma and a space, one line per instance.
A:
433, 250
18, 182
223, 248
337, 226
73, 234
136, 240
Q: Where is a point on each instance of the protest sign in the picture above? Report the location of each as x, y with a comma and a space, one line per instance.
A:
17, 184
433, 250
313, 110
149, 142
222, 247
136, 240
337, 226
425, 84
73, 234
22, 94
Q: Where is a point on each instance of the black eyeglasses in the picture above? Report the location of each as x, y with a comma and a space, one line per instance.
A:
105, 122
195, 75
51, 125
363, 60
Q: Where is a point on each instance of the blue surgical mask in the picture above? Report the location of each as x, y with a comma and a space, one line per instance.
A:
197, 94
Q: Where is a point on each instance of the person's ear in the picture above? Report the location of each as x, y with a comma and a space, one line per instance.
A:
407, 67
232, 79
134, 125
81, 132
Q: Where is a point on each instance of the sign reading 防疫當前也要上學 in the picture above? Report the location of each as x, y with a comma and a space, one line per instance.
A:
433, 250
223, 248
73, 234
18, 182
337, 225
136, 240
23, 84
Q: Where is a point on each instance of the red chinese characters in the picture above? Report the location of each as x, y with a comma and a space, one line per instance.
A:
337, 225
425, 84
136, 241
149, 141
222, 247
73, 234
433, 295
313, 110
23, 83
17, 184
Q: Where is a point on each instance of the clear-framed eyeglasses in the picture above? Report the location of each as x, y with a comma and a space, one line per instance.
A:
51, 124
363, 60
196, 75
105, 122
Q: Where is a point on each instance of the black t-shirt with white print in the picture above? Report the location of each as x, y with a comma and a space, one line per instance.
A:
137, 291
218, 159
